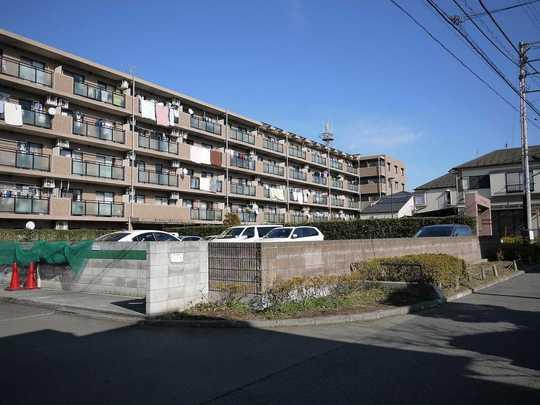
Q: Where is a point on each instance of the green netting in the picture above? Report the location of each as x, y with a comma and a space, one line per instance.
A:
74, 255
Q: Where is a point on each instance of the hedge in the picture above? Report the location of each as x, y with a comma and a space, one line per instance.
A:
437, 269
520, 250
198, 230
24, 235
384, 228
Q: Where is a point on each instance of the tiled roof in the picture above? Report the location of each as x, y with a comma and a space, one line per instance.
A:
502, 157
446, 181
389, 204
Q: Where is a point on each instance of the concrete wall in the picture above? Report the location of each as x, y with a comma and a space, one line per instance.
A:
299, 259
177, 276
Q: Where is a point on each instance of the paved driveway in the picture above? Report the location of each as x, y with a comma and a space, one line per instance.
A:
481, 349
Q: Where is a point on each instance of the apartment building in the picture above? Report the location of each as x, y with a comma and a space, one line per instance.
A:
497, 176
380, 175
82, 145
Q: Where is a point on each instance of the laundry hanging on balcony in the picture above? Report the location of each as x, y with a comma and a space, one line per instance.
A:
148, 109
215, 158
13, 114
162, 114
277, 194
200, 155
204, 184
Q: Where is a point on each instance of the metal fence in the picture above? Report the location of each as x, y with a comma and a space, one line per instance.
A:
234, 267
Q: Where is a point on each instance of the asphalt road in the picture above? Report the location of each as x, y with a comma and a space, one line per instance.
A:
482, 349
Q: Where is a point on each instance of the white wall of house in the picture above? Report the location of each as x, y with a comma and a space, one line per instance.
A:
435, 199
405, 211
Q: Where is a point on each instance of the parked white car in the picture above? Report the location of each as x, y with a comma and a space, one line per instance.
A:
138, 236
245, 233
294, 234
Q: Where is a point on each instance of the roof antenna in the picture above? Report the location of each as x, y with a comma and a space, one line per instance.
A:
327, 136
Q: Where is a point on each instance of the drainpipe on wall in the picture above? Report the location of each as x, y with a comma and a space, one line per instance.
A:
132, 157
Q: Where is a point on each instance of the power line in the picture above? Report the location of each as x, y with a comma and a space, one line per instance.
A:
526, 3
460, 61
480, 52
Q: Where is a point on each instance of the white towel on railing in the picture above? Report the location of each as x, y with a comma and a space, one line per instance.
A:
13, 114
148, 109
200, 155
205, 183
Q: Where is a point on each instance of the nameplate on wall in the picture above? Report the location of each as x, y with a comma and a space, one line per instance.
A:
176, 257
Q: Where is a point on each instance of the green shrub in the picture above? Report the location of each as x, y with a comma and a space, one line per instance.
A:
24, 235
437, 269
198, 230
231, 219
383, 228
520, 250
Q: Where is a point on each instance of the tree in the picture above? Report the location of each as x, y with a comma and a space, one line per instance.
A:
231, 219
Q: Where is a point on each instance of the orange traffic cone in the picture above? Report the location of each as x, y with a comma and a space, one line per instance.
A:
31, 282
15, 283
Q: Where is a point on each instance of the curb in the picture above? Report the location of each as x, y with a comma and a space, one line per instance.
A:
470, 291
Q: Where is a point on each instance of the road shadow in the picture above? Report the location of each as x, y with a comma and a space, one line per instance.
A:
137, 305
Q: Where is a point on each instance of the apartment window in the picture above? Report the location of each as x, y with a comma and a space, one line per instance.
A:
139, 198
77, 78
395, 167
104, 196
161, 200
29, 147
402, 171
478, 182
75, 194
187, 203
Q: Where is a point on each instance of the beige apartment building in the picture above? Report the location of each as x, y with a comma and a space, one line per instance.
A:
380, 175
82, 145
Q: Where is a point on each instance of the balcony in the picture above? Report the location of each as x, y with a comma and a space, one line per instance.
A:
298, 219
158, 143
337, 183
95, 169
297, 152
36, 119
97, 209
298, 175
334, 164
319, 199
98, 132
274, 169
24, 205
351, 169
320, 180
273, 145
198, 214
353, 187
242, 163
158, 178
274, 218
318, 159
336, 202
25, 160
517, 188
242, 136
99, 94
354, 204
204, 125
243, 189
246, 217
24, 71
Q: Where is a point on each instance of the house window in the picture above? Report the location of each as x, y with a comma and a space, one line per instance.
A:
420, 200
478, 182
448, 197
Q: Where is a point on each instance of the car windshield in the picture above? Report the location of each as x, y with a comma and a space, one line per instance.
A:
279, 233
435, 231
112, 237
231, 233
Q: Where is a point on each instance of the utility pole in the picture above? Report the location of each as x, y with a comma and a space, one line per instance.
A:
523, 47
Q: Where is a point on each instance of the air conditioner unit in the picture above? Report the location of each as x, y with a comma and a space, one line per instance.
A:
48, 183
61, 226
175, 196
175, 164
62, 143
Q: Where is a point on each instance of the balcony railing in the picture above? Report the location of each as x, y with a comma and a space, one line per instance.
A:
351, 169
334, 164
274, 218
246, 216
242, 189
97, 209
36, 119
299, 153
158, 143
274, 169
243, 163
94, 169
273, 145
337, 183
336, 202
97, 93
24, 205
298, 175
353, 187
204, 125
319, 180
199, 214
318, 159
21, 70
241, 136
517, 188
299, 219
321, 200
158, 178
99, 131
25, 160
354, 204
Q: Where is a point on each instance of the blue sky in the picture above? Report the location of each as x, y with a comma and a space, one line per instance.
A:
385, 86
